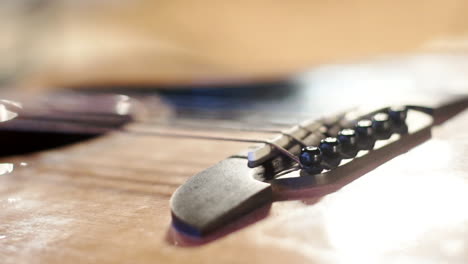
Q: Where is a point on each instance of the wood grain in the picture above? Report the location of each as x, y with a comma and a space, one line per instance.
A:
107, 201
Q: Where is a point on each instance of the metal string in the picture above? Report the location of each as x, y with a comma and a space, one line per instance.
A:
94, 128
96, 123
246, 129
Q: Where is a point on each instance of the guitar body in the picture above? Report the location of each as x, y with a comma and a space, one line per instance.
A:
107, 200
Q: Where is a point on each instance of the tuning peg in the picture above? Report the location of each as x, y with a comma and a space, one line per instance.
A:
398, 114
382, 125
311, 159
348, 140
365, 134
331, 150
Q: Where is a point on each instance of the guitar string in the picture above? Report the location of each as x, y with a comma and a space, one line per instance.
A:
236, 105
221, 124
264, 121
298, 116
99, 122
92, 128
237, 110
217, 124
97, 119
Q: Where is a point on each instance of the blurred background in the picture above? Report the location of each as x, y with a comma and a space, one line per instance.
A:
69, 43
244, 63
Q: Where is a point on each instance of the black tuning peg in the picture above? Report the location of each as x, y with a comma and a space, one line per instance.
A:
331, 151
311, 159
348, 140
382, 125
365, 134
398, 114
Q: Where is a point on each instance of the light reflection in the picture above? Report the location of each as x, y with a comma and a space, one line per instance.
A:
16, 104
6, 114
396, 209
384, 80
13, 200
453, 247
123, 105
6, 168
